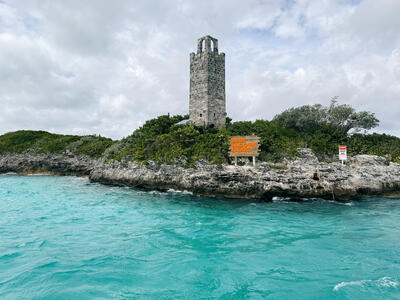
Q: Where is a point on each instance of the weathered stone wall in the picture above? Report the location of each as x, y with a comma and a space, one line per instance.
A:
207, 84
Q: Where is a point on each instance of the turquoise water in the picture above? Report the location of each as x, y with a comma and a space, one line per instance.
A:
67, 238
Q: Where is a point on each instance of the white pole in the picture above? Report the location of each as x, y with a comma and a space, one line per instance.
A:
254, 161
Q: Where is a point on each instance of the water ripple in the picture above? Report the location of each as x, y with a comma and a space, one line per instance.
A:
67, 238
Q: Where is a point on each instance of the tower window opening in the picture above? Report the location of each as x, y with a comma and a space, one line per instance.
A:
201, 115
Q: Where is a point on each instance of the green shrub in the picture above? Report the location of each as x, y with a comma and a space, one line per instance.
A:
162, 140
45, 142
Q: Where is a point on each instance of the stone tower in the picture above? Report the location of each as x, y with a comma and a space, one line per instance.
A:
207, 84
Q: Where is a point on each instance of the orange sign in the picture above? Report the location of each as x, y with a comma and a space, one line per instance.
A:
244, 145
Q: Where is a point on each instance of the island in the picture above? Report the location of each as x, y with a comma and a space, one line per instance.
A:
297, 159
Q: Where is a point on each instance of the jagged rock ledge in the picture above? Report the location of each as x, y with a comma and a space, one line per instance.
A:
32, 163
305, 177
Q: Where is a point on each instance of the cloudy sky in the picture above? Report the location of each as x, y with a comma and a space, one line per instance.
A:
105, 67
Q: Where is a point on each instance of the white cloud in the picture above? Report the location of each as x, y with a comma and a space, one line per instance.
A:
261, 15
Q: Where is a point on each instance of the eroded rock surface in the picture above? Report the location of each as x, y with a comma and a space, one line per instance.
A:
305, 177
31, 162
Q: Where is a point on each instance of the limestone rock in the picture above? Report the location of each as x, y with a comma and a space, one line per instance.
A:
367, 175
367, 161
31, 162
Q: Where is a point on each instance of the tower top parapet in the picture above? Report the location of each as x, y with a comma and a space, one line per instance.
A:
204, 44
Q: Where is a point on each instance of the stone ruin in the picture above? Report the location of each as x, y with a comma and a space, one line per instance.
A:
207, 106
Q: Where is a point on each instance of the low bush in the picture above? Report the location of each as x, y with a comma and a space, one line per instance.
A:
45, 142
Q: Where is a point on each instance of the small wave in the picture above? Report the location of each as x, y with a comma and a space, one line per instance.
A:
297, 199
184, 192
341, 203
343, 284
39, 174
48, 264
281, 199
10, 255
385, 282
42, 243
153, 192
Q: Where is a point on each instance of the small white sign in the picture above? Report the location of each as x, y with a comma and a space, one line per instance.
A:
342, 153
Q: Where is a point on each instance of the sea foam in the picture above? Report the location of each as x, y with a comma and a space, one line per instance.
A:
384, 282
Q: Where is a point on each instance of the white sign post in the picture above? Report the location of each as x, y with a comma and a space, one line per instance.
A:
342, 153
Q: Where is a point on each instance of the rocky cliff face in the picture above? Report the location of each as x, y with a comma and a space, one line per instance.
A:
304, 177
31, 162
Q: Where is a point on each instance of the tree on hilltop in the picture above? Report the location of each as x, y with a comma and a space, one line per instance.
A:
341, 117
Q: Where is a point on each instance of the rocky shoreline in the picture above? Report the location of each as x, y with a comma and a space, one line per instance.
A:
304, 177
32, 163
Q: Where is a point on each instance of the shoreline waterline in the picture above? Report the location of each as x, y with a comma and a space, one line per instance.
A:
303, 177
391, 195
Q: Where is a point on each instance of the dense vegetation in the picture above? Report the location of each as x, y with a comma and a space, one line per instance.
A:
163, 140
45, 142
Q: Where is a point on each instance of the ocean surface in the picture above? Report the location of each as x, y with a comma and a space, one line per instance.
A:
67, 238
